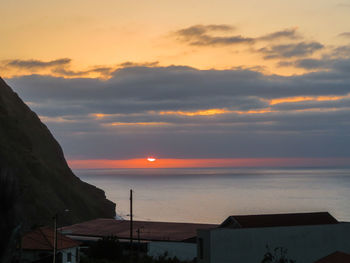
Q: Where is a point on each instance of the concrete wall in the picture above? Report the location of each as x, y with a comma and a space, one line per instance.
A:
305, 244
74, 257
183, 251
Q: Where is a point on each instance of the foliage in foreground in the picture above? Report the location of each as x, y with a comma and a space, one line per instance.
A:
110, 250
279, 255
144, 259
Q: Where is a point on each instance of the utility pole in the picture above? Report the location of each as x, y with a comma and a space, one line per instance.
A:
55, 238
131, 226
55, 220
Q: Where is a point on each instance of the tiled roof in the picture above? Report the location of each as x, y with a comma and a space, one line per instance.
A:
161, 231
336, 257
43, 239
273, 220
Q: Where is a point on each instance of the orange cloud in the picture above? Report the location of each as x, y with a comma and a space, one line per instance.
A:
100, 115
206, 163
267, 110
306, 98
196, 113
137, 123
210, 112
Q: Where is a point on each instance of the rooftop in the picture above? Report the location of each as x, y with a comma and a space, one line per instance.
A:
43, 239
274, 220
156, 231
336, 257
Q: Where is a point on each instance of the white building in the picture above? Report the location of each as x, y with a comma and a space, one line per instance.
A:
37, 246
304, 237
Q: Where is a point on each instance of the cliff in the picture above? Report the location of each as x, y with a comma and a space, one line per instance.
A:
46, 184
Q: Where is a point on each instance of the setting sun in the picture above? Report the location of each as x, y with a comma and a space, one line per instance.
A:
151, 159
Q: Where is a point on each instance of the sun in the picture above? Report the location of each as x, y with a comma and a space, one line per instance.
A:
151, 159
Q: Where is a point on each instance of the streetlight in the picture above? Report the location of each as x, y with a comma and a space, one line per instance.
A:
55, 218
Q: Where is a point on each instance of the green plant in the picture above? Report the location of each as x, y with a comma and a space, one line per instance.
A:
279, 255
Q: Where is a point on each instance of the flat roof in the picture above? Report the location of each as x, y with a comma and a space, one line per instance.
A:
274, 220
149, 230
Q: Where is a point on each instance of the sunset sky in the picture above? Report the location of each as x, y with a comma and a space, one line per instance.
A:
192, 83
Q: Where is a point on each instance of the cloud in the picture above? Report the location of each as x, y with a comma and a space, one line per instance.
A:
183, 112
341, 52
102, 71
62, 68
37, 64
198, 30
345, 34
347, 5
308, 63
129, 64
337, 59
300, 49
283, 34
207, 35
199, 35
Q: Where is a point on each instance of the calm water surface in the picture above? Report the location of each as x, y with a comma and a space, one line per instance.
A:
210, 195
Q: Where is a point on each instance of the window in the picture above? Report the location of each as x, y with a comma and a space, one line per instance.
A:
69, 257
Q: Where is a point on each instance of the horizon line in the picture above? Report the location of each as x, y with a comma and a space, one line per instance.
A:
143, 163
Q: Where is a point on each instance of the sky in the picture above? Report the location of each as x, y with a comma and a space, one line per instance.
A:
192, 83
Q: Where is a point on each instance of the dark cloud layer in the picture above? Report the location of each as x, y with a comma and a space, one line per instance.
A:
142, 110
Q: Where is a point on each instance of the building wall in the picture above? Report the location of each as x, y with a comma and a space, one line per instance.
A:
74, 255
181, 250
33, 255
203, 245
305, 244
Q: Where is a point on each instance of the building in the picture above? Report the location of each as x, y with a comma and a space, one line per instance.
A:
336, 257
304, 237
37, 246
175, 239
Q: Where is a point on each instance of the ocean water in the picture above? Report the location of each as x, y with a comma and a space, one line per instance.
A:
210, 195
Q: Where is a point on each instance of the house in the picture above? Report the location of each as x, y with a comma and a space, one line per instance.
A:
304, 237
37, 246
336, 257
175, 239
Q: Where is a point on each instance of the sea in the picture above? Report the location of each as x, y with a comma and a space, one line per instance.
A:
211, 195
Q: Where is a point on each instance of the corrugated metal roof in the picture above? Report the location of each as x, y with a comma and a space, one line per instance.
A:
336, 257
274, 220
161, 231
43, 239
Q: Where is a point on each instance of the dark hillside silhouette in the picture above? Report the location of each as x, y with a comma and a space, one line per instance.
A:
10, 224
46, 184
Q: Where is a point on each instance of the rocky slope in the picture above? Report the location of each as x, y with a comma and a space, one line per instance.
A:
46, 184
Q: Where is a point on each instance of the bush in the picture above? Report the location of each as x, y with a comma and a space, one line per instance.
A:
106, 248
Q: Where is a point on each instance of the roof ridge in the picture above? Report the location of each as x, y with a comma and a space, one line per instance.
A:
298, 213
45, 237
